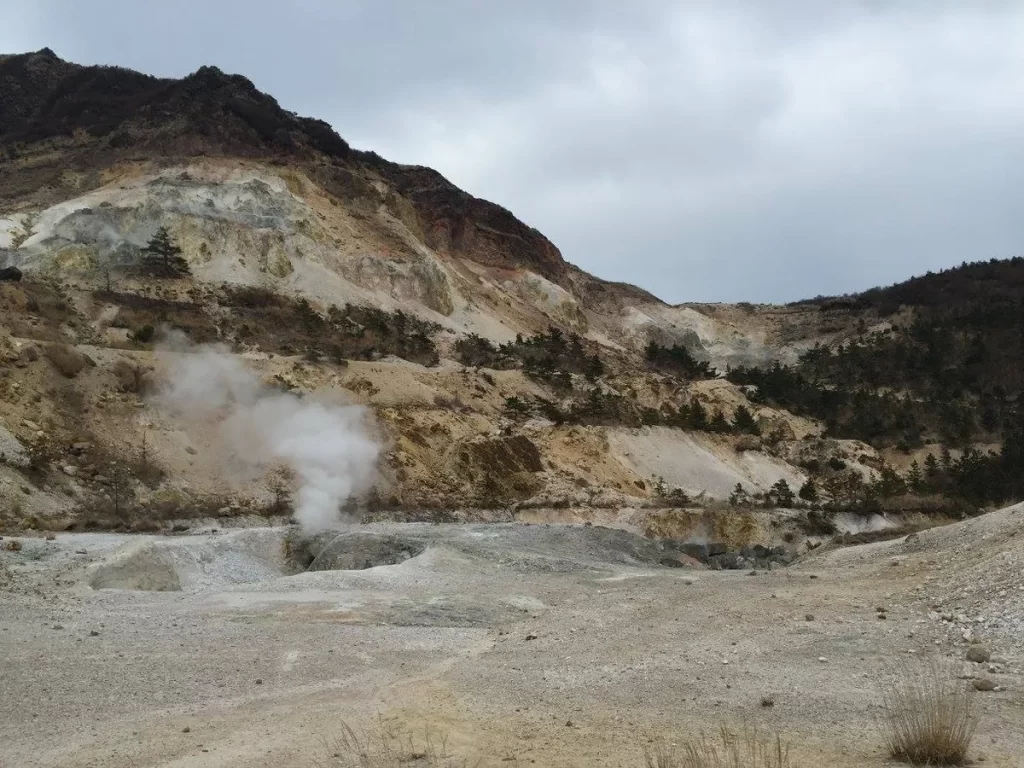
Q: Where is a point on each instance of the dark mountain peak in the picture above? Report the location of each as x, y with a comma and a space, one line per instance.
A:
100, 115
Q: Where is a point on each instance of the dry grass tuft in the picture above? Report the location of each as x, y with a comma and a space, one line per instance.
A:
928, 714
745, 748
388, 748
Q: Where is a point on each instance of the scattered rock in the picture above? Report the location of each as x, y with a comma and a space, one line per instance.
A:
259, 681
51, 537
58, 626
809, 617
186, 729
983, 684
190, 451
531, 637
978, 654
94, 633
767, 701
13, 545
69, 470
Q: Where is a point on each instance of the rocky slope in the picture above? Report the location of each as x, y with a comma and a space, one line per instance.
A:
288, 232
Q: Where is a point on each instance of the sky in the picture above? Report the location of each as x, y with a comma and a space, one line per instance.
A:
704, 150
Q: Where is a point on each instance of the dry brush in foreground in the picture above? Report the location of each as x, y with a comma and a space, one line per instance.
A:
743, 748
928, 714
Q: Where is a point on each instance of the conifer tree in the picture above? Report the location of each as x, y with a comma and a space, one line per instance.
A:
163, 256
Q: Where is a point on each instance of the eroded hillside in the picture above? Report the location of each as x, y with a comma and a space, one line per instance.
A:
500, 378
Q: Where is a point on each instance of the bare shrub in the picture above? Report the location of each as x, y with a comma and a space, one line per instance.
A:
388, 748
131, 376
928, 714
66, 359
744, 748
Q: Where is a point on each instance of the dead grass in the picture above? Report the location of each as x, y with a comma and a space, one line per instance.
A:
746, 747
928, 714
387, 747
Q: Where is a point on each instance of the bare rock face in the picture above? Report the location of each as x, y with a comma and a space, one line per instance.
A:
455, 222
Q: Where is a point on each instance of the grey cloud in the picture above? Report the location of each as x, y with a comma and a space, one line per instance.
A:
705, 150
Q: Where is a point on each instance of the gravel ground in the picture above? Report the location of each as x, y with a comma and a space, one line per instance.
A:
539, 645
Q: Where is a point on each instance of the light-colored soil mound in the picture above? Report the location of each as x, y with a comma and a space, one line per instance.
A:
192, 563
979, 590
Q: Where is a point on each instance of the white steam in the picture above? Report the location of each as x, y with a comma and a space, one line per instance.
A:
327, 446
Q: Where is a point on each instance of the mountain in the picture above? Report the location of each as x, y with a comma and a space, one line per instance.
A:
501, 378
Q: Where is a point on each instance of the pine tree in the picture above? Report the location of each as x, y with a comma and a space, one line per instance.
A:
914, 476
739, 496
718, 422
931, 466
698, 417
781, 494
163, 256
809, 490
946, 459
743, 421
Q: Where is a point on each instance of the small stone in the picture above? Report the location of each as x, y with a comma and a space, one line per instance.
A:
94, 633
883, 616
568, 723
58, 626
978, 654
983, 684
190, 451
809, 617
767, 701
51, 537
531, 637
259, 681
69, 470
186, 729
823, 659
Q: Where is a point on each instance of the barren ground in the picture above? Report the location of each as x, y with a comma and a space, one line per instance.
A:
243, 666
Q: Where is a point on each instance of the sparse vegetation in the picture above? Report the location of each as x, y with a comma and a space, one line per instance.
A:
386, 747
928, 714
746, 747
288, 326
678, 360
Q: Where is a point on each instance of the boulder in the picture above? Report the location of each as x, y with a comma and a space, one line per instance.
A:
694, 550
12, 274
978, 654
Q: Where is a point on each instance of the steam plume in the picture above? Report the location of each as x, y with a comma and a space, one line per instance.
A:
327, 446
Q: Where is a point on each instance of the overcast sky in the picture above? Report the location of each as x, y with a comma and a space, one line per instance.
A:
706, 151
